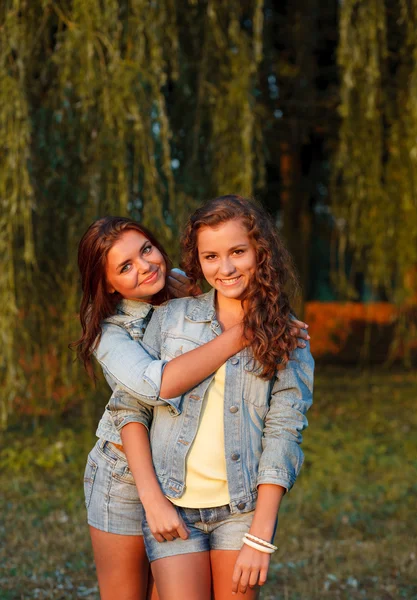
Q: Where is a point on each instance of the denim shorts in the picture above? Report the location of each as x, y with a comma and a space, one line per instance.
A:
111, 497
210, 529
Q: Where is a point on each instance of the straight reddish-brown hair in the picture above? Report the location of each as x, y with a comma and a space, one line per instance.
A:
97, 303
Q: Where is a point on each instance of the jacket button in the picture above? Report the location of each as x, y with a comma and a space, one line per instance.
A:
234, 361
194, 397
235, 456
234, 409
241, 505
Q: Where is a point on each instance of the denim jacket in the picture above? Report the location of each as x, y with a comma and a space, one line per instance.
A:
128, 367
263, 420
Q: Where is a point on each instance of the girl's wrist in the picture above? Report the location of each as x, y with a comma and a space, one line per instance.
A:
235, 333
152, 494
262, 533
263, 530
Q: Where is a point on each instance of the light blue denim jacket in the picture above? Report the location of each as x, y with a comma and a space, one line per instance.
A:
263, 420
128, 366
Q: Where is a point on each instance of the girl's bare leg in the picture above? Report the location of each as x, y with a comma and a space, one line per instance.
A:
152, 593
222, 566
122, 565
183, 577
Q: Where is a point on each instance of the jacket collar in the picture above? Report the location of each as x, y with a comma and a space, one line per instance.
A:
202, 309
133, 308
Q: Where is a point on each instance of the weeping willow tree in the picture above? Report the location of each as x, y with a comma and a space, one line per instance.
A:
117, 107
374, 177
146, 108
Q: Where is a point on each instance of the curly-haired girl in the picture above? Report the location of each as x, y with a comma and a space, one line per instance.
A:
231, 450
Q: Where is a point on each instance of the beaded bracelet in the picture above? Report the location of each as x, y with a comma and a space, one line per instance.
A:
264, 549
260, 541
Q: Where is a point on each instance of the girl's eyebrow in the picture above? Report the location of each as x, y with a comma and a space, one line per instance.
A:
128, 260
229, 250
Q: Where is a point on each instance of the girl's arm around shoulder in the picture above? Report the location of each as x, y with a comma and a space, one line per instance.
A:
184, 372
291, 397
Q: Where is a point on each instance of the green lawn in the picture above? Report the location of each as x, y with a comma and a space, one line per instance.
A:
347, 530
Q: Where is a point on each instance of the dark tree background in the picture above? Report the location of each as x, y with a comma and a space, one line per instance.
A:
148, 108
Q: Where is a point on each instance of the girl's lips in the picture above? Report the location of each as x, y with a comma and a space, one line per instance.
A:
234, 281
151, 278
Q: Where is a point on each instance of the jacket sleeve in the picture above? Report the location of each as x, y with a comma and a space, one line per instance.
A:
291, 397
125, 409
131, 366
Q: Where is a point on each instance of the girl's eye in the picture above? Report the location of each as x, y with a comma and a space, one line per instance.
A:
125, 268
147, 249
210, 256
238, 252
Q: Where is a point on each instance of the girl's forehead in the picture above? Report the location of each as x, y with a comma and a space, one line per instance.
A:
129, 242
228, 233
129, 238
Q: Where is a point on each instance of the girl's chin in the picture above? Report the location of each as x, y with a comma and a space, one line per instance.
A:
145, 297
230, 294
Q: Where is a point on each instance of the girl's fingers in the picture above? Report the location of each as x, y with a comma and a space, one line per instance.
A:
175, 285
169, 537
182, 530
158, 537
253, 579
177, 279
263, 576
300, 324
244, 580
299, 333
236, 578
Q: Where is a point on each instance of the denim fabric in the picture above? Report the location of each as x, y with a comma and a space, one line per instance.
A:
210, 529
111, 497
127, 366
263, 420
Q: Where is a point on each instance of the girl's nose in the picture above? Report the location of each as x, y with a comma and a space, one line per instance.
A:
227, 268
142, 266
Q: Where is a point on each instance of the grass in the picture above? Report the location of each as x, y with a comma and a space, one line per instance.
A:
347, 530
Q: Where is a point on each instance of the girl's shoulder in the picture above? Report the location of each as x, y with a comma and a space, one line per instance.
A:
128, 311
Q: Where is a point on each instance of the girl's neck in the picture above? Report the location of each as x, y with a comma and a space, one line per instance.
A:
229, 311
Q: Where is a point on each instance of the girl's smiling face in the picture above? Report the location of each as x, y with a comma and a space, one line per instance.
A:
135, 268
227, 257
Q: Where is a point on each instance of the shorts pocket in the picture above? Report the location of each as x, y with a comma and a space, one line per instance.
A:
123, 485
89, 476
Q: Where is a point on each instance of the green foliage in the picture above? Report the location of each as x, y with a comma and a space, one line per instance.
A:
54, 452
96, 100
147, 108
374, 189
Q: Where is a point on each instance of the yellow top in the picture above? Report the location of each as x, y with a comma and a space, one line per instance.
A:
206, 474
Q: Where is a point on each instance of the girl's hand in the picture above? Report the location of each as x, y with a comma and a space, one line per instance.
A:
251, 569
179, 284
164, 521
299, 330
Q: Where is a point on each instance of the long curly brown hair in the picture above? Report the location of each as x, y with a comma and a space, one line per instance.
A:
266, 304
97, 303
